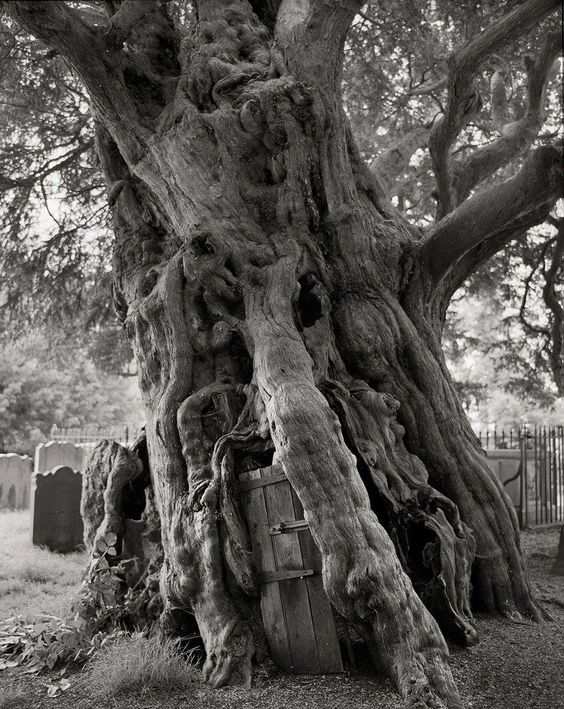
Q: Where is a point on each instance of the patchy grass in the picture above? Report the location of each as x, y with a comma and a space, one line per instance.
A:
34, 581
136, 664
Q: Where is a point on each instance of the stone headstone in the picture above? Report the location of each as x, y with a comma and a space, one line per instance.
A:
50, 455
15, 481
505, 464
57, 523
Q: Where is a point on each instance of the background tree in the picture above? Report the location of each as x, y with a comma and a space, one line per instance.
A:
282, 309
42, 386
55, 225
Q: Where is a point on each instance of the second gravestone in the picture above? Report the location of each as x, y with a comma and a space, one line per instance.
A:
57, 523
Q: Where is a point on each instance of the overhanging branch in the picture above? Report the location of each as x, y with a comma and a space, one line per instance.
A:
62, 28
463, 101
498, 213
515, 137
428, 88
46, 169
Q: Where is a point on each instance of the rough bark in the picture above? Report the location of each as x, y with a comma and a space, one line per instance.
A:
118, 503
278, 306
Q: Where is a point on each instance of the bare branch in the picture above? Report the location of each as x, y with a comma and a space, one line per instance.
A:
517, 136
523, 307
498, 91
47, 169
395, 160
499, 213
428, 88
463, 101
552, 302
311, 36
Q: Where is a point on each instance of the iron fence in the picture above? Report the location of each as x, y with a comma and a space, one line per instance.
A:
84, 436
529, 461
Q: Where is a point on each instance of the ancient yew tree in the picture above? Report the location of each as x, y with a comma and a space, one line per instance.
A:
281, 309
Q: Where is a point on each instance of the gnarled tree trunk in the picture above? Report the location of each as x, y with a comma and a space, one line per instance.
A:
281, 309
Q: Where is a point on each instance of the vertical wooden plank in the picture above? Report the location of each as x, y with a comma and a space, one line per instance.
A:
327, 640
293, 592
270, 602
297, 615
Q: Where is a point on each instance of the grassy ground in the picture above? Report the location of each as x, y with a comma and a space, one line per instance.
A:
32, 580
515, 666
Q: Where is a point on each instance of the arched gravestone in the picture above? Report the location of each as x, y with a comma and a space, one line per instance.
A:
50, 455
57, 523
506, 464
15, 481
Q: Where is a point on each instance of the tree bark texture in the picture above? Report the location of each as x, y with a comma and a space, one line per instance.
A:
280, 308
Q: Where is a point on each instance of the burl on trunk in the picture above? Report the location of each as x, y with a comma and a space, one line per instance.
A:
281, 309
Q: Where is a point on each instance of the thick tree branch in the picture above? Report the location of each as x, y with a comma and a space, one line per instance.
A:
428, 88
61, 28
463, 101
517, 136
515, 205
311, 35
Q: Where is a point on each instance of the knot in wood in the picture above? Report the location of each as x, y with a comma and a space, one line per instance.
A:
251, 118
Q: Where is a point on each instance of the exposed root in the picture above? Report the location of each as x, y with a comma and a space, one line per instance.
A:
229, 657
194, 576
